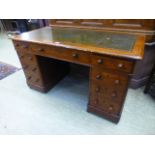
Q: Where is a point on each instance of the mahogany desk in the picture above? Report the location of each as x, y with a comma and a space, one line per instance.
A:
45, 53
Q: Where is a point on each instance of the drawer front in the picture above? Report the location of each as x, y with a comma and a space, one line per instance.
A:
61, 53
108, 93
112, 63
30, 68
55, 52
107, 76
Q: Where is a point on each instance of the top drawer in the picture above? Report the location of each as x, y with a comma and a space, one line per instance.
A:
60, 53
112, 63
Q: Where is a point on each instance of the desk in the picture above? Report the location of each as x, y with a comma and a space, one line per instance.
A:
45, 53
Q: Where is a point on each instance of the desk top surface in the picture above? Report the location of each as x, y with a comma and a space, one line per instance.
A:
102, 42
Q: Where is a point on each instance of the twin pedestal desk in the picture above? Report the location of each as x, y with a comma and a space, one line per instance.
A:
45, 53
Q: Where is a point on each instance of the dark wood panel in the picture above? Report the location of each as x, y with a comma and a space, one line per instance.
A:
123, 23
134, 23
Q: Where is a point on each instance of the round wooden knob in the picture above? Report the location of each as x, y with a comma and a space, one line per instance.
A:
117, 81
98, 76
114, 94
40, 49
110, 108
74, 55
100, 61
120, 65
96, 102
97, 89
30, 58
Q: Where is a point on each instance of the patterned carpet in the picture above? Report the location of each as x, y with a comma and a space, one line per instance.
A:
6, 70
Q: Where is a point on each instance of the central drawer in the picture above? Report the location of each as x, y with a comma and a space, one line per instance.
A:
61, 53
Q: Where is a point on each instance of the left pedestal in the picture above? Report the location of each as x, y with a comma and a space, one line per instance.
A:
41, 73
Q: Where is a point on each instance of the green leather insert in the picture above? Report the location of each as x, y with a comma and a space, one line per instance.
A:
94, 38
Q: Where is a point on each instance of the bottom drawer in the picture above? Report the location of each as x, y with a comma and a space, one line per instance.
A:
101, 102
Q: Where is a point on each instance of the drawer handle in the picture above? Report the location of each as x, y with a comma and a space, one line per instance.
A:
40, 49
96, 102
75, 55
110, 108
97, 89
100, 61
98, 76
114, 94
117, 81
120, 65
31, 58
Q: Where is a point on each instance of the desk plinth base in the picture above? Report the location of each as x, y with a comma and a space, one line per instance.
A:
98, 112
39, 88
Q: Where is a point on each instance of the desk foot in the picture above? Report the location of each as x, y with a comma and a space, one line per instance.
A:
39, 88
108, 116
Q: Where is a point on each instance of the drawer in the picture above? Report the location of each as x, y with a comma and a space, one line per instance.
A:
108, 76
107, 106
111, 92
34, 78
112, 63
60, 53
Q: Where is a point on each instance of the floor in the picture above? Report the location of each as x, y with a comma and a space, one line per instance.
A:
63, 109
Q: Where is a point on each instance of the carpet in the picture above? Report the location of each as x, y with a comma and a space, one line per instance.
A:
6, 70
